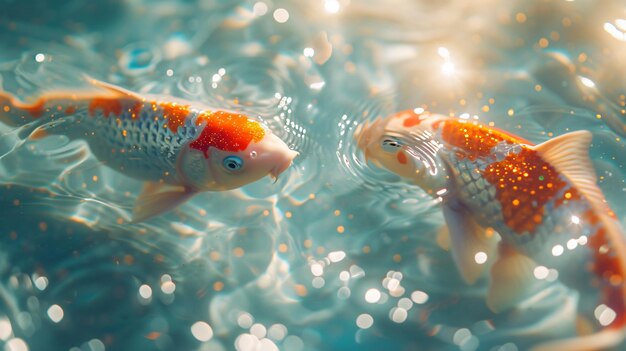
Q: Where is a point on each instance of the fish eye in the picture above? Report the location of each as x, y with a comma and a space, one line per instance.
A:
232, 163
390, 144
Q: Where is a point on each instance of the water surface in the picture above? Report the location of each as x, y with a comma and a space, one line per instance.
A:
336, 255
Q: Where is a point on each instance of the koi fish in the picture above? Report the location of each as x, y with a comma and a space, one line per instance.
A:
542, 201
177, 147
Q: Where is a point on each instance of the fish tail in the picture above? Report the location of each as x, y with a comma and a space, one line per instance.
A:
609, 275
39, 117
15, 112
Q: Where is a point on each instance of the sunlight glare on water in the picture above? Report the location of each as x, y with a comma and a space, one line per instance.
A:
338, 253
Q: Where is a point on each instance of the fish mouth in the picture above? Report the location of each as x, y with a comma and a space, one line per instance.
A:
284, 165
361, 135
365, 135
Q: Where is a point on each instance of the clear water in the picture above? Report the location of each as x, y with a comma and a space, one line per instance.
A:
336, 255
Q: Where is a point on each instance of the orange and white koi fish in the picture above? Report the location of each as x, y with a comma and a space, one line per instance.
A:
542, 200
179, 148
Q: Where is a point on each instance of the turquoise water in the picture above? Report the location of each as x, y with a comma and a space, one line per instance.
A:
337, 255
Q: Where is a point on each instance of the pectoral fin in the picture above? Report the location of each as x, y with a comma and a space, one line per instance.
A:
469, 241
443, 238
40, 131
512, 280
156, 199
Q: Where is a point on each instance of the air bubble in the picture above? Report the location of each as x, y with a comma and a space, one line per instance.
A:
139, 58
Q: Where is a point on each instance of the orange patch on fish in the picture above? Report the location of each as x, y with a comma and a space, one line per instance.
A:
175, 114
475, 140
36, 109
70, 110
411, 121
570, 194
135, 111
401, 157
226, 131
524, 184
410, 118
606, 265
108, 106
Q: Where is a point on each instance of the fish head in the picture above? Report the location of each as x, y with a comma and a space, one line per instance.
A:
231, 152
405, 143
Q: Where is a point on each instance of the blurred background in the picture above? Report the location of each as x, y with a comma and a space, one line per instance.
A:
336, 255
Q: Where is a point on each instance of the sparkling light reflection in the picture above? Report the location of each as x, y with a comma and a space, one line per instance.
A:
249, 342
587, 82
617, 30
557, 250
480, 257
419, 297
281, 15
336, 256
332, 6
202, 331
145, 291
364, 321
405, 303
41, 283
344, 276
258, 330
398, 314
277, 332
604, 314
55, 312
444, 53
317, 269
5, 329
245, 320
448, 67
318, 282
372, 295
317, 85
553, 275
461, 336
541, 272
572, 244
259, 8
168, 288
16, 344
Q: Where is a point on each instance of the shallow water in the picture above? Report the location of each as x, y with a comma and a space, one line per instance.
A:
337, 254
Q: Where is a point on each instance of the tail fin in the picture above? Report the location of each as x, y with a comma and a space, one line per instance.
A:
608, 268
569, 154
48, 111
15, 113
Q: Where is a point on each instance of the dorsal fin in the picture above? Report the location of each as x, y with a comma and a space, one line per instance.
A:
119, 91
569, 154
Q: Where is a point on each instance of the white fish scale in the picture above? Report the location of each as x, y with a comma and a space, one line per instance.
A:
148, 151
549, 245
475, 192
556, 227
